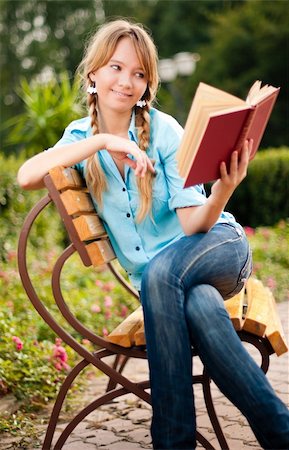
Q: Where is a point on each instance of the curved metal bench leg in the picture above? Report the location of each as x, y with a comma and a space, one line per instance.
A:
118, 365
59, 402
212, 412
204, 442
104, 399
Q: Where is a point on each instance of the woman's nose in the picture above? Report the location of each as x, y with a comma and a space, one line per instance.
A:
124, 79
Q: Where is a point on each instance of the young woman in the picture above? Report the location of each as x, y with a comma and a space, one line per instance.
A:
180, 249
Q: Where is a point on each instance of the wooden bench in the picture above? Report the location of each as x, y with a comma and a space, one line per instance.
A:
253, 311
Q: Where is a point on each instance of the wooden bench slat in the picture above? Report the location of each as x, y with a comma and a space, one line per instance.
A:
100, 252
274, 330
77, 202
124, 333
89, 227
257, 313
66, 178
234, 306
139, 337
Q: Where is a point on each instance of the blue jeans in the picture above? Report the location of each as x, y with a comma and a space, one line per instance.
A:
183, 291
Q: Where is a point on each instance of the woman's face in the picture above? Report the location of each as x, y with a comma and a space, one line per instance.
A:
122, 81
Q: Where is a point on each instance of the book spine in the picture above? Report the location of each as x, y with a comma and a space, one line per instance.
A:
244, 133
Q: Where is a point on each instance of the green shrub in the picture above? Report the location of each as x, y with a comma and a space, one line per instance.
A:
48, 108
263, 197
15, 204
271, 257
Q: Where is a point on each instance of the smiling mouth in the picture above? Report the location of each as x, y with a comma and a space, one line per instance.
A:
121, 94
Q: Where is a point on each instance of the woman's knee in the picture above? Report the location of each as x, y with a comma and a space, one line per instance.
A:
203, 304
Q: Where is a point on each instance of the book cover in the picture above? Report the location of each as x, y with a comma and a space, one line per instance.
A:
213, 132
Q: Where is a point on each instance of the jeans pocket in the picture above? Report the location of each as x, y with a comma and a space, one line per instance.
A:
243, 276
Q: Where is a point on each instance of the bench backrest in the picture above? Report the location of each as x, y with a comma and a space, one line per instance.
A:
69, 193
72, 199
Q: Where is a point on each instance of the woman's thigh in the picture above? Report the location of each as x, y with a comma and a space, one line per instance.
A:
220, 257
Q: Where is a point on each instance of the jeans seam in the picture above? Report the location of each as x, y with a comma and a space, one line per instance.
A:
204, 253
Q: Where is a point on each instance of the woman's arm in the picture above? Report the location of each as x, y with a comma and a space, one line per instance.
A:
197, 219
32, 172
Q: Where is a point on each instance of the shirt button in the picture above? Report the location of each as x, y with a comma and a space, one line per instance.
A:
137, 248
124, 189
127, 214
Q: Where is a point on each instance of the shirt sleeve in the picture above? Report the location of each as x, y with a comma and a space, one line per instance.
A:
75, 131
180, 197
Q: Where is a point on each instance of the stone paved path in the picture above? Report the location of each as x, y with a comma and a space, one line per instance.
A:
124, 424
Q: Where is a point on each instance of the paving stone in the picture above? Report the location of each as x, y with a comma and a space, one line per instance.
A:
123, 445
118, 425
139, 416
141, 435
79, 446
8, 405
103, 438
239, 431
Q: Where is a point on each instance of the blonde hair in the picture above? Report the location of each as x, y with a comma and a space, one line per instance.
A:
98, 52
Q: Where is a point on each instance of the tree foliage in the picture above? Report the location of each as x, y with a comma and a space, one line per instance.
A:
239, 41
247, 44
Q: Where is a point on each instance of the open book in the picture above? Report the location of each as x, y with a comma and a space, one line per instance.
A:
218, 123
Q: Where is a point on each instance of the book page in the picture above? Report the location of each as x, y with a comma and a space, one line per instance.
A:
258, 93
207, 99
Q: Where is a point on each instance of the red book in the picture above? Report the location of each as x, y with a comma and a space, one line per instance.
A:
218, 123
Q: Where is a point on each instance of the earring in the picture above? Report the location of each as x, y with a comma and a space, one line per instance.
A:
91, 89
141, 103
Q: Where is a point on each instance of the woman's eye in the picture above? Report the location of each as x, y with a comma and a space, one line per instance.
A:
140, 75
115, 66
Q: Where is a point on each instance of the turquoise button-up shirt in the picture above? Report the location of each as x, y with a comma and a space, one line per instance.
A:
137, 243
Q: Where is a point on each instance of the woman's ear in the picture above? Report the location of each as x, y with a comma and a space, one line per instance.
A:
91, 76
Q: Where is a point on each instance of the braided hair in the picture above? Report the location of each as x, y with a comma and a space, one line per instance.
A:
98, 52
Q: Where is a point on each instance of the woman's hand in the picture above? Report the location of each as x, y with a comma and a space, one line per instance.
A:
200, 219
120, 148
228, 181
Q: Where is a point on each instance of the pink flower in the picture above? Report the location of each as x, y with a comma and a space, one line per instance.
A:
4, 275
109, 286
18, 343
11, 255
10, 305
124, 311
59, 356
249, 231
265, 233
271, 283
107, 301
99, 283
85, 341
107, 315
95, 308
104, 332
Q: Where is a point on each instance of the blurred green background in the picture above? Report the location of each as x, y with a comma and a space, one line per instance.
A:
238, 42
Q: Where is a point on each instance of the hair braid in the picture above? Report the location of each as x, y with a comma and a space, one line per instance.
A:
95, 177
98, 51
144, 184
